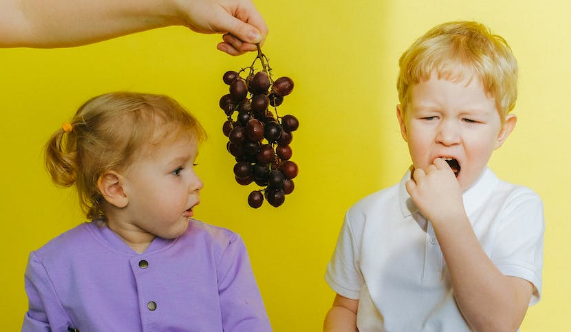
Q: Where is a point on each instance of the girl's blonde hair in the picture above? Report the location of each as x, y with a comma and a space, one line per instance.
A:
108, 133
458, 50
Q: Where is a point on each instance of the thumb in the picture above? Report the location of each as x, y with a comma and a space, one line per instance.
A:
243, 31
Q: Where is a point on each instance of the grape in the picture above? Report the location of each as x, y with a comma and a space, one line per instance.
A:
289, 168
285, 138
237, 135
258, 137
255, 199
266, 154
284, 152
276, 179
260, 103
288, 186
272, 131
275, 100
243, 169
255, 130
275, 197
227, 127
251, 148
260, 83
229, 77
290, 123
238, 90
282, 86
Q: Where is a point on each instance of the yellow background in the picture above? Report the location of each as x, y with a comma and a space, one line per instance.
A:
343, 58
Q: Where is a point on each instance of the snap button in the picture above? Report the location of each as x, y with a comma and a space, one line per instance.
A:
143, 264
152, 306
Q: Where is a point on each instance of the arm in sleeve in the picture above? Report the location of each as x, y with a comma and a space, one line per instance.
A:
45, 312
343, 273
519, 246
240, 299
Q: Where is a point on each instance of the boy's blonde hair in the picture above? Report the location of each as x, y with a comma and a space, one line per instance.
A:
457, 50
108, 133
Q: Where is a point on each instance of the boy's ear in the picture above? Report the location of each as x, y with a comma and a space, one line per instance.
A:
400, 117
506, 130
110, 184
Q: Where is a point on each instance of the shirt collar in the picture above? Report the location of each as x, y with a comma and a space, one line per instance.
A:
474, 197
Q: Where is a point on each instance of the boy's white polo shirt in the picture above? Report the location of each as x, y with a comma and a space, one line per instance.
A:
388, 257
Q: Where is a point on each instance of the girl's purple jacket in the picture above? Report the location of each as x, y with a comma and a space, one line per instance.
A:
90, 280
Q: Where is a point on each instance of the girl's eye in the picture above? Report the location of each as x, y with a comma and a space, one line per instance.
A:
177, 171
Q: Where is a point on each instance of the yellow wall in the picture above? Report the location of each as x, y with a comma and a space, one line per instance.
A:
343, 57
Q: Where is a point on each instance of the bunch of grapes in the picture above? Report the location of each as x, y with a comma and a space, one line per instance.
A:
258, 137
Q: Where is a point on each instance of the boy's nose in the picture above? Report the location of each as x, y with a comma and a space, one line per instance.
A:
448, 133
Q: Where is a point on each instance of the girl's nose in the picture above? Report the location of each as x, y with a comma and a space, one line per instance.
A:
195, 184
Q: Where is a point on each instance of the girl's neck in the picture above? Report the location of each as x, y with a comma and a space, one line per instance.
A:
135, 238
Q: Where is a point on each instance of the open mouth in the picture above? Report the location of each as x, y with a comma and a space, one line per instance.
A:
454, 165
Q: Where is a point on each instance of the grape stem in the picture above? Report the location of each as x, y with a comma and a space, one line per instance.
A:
264, 60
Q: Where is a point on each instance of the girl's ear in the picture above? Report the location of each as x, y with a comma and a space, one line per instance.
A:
506, 130
400, 117
110, 184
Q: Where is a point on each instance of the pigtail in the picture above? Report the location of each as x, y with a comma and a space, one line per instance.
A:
61, 156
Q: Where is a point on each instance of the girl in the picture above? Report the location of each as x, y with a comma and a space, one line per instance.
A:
142, 263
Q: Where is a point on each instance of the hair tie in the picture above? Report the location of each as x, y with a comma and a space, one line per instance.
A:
67, 127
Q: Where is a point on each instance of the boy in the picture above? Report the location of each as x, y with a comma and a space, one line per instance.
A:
452, 247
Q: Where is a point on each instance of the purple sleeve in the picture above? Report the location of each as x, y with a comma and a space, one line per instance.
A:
45, 312
240, 300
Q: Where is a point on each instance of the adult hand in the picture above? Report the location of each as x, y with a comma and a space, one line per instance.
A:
240, 22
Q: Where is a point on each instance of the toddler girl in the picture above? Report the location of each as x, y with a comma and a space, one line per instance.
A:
143, 263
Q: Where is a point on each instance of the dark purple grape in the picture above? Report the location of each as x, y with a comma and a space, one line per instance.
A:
276, 179
229, 77
244, 181
266, 154
285, 138
243, 118
261, 171
289, 168
245, 105
260, 103
282, 86
237, 135
275, 197
243, 169
275, 100
227, 127
255, 199
272, 131
290, 123
235, 150
251, 148
259, 83
255, 130
288, 186
238, 90
284, 152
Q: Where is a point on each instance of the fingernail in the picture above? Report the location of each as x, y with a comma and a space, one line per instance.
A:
255, 37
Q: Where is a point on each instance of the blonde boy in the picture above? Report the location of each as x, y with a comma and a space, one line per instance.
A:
452, 247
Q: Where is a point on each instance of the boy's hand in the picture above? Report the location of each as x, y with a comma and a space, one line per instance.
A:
436, 192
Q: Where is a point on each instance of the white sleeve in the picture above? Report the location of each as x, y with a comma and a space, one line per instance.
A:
343, 273
519, 247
